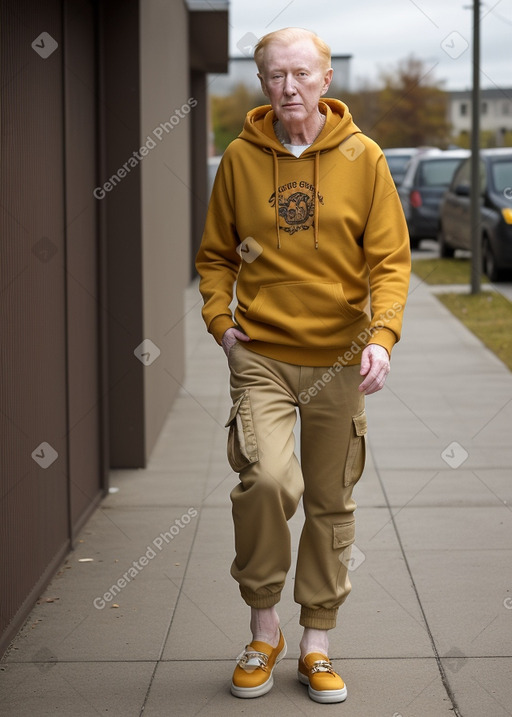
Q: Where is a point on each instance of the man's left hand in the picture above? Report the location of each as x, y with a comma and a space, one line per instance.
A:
375, 367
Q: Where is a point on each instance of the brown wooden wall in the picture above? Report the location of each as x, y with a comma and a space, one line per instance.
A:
50, 400
85, 278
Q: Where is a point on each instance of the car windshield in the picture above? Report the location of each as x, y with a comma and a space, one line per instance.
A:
437, 172
502, 175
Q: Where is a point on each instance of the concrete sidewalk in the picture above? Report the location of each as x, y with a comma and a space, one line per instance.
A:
427, 630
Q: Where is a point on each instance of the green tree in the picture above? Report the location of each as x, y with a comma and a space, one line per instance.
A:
363, 105
412, 108
228, 114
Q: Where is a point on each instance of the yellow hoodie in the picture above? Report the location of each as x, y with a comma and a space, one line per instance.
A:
306, 239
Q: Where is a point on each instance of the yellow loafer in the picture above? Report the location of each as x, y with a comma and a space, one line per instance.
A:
253, 674
324, 684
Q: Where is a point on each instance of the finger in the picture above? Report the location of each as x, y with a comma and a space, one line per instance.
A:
241, 336
375, 376
374, 381
365, 363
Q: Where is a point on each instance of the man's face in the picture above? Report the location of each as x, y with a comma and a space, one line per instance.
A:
294, 80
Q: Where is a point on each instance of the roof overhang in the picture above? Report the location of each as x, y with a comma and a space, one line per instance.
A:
208, 35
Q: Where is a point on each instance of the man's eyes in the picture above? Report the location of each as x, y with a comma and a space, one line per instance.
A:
281, 77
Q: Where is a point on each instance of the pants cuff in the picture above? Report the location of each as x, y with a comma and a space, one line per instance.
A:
259, 601
319, 618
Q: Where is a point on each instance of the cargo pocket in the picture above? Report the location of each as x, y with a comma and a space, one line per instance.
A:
242, 446
356, 456
343, 534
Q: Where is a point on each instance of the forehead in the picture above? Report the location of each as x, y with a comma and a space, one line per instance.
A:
301, 53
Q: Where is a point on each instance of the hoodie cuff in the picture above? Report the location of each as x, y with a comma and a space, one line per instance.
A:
384, 337
219, 325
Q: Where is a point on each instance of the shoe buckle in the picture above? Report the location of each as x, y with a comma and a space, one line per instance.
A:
250, 660
322, 666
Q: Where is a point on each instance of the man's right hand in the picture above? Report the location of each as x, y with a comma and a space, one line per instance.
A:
231, 336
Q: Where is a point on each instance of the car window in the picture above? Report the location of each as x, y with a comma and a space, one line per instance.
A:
398, 162
502, 174
437, 172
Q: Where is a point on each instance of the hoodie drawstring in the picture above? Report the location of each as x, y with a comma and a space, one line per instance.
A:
276, 203
316, 180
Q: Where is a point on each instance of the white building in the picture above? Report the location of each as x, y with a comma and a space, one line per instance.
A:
495, 112
242, 70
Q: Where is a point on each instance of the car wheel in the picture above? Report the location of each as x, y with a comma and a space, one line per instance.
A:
415, 242
489, 261
445, 250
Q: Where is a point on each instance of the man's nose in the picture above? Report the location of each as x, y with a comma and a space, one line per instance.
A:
289, 85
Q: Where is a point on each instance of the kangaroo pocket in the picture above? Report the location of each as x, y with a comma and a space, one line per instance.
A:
304, 314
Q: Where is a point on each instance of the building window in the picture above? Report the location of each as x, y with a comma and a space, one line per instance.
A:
463, 109
505, 109
484, 108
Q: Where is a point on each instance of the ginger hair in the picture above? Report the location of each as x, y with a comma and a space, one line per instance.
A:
287, 36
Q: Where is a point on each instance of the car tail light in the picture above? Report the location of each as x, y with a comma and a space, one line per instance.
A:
415, 199
507, 215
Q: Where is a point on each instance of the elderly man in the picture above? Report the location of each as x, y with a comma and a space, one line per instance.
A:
304, 216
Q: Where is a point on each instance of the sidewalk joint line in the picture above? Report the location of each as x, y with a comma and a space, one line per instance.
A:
167, 632
440, 666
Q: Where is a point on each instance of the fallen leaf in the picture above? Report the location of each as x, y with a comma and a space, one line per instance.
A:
114, 605
85, 560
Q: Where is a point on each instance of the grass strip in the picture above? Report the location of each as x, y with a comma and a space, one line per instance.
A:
488, 315
444, 271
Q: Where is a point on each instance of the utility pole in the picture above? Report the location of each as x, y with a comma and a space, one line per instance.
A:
475, 198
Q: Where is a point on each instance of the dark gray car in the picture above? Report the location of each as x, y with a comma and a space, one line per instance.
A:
427, 178
495, 212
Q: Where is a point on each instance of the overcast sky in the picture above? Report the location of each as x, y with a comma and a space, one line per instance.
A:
379, 33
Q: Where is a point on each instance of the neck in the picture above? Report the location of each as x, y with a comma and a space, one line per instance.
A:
300, 133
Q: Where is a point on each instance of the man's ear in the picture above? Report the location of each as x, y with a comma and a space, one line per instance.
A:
327, 81
263, 85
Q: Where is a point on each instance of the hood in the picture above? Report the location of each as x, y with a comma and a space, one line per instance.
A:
259, 130
258, 127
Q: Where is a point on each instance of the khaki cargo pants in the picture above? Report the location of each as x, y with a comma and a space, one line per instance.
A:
266, 394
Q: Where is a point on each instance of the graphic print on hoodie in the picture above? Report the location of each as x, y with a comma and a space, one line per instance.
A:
304, 263
297, 209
